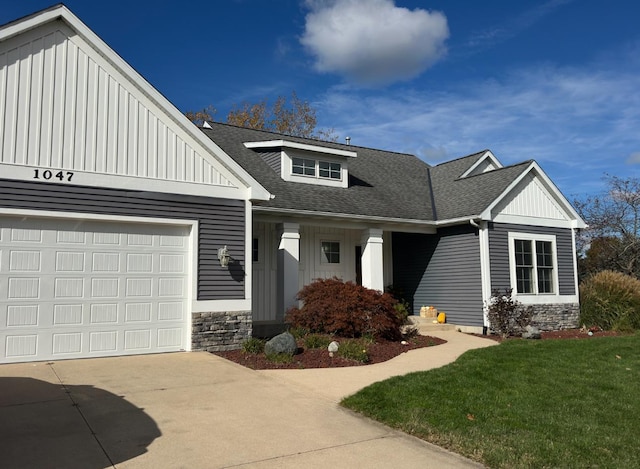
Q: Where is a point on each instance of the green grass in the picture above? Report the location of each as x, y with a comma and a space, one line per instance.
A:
551, 403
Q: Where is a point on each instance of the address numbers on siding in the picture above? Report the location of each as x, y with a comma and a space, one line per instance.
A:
46, 174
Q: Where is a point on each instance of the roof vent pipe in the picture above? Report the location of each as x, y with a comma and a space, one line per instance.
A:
348, 140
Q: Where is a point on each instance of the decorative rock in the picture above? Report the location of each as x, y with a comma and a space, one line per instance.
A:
282, 343
531, 332
333, 348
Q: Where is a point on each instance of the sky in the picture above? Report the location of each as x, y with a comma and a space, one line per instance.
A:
557, 81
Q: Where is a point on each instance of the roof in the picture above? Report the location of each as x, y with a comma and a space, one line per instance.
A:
457, 197
397, 187
381, 183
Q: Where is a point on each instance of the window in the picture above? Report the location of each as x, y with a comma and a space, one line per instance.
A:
303, 166
533, 263
329, 170
330, 252
325, 170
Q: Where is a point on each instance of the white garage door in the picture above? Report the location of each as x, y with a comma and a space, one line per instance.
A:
76, 288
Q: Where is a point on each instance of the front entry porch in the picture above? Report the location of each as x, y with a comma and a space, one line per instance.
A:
290, 255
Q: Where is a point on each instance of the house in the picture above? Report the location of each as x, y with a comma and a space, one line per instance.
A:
125, 229
113, 207
443, 235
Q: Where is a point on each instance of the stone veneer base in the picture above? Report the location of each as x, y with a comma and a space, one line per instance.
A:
220, 331
553, 317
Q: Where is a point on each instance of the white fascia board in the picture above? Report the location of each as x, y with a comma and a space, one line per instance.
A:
236, 172
487, 155
347, 218
300, 146
576, 220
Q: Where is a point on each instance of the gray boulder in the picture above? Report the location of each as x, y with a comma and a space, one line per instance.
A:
531, 332
282, 343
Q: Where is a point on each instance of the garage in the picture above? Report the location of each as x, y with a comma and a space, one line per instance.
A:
76, 288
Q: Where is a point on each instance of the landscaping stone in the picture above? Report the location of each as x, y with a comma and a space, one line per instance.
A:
531, 332
282, 343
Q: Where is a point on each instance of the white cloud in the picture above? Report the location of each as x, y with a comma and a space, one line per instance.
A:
373, 42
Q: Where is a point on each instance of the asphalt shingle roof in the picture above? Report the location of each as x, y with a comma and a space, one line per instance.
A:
469, 196
382, 183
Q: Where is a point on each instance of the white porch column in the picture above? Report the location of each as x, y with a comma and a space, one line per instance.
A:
288, 261
372, 263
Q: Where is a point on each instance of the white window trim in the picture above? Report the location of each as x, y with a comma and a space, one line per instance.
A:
287, 174
323, 260
532, 297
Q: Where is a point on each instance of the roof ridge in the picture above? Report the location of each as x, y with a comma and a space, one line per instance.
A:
463, 157
511, 166
315, 140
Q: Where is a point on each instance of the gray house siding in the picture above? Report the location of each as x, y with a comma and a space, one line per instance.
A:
273, 159
499, 254
221, 222
441, 270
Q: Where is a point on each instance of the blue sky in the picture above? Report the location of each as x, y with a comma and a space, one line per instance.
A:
557, 81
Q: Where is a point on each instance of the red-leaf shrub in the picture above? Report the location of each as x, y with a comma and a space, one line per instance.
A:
331, 306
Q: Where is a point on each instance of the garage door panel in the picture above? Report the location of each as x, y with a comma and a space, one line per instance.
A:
76, 288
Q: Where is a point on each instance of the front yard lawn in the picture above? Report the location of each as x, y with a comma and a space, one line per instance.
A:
524, 403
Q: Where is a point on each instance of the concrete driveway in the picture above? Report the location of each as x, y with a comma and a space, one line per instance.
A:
186, 410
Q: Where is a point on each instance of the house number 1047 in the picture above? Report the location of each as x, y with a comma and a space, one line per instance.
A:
48, 174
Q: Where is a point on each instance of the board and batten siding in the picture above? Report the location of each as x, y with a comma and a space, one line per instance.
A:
221, 222
310, 267
65, 106
441, 270
499, 254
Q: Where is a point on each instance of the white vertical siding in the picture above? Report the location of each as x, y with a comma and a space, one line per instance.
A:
530, 199
64, 106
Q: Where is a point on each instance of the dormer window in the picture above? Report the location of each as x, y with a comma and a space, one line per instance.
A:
303, 166
329, 170
306, 163
316, 168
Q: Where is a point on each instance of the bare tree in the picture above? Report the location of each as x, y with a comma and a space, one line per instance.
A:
612, 240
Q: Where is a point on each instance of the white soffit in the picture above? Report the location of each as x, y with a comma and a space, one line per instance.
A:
300, 146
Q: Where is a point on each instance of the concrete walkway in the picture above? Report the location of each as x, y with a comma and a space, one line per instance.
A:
337, 383
197, 410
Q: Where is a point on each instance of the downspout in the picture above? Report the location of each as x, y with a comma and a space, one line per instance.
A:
483, 274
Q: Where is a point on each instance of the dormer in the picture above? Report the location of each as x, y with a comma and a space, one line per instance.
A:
487, 162
305, 163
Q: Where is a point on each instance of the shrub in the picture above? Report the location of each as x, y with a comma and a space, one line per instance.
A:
506, 315
611, 301
279, 357
331, 306
355, 349
313, 341
253, 345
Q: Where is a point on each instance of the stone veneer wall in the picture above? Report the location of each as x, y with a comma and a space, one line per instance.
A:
216, 332
553, 317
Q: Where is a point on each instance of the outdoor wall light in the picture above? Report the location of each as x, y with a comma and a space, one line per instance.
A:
224, 256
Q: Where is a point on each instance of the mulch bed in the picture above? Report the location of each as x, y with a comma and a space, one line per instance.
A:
319, 358
563, 334
378, 352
